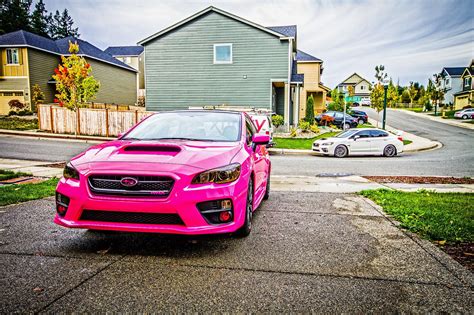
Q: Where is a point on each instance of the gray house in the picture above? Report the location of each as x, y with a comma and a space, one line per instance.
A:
451, 83
214, 57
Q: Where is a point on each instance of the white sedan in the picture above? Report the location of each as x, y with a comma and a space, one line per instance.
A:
367, 141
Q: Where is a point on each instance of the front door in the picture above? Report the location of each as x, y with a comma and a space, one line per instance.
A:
361, 144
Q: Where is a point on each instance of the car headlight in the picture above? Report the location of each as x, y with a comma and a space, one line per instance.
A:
328, 143
70, 172
221, 175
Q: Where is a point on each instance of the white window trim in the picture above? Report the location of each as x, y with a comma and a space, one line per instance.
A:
231, 54
18, 56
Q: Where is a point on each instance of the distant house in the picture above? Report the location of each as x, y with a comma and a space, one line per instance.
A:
132, 56
28, 59
466, 96
312, 68
451, 83
214, 57
361, 88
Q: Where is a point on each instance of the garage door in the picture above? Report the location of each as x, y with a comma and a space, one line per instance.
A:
6, 96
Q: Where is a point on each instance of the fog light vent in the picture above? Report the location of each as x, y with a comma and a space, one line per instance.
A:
217, 211
62, 203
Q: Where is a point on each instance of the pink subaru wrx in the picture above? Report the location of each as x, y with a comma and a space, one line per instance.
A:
180, 172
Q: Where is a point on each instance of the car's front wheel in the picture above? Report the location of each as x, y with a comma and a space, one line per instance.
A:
361, 121
340, 151
390, 151
347, 126
247, 227
464, 117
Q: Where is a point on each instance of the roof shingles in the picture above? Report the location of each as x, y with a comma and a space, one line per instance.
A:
124, 50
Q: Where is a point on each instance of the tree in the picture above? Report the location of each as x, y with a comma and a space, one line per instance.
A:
337, 102
62, 25
412, 91
350, 94
37, 96
437, 93
40, 19
74, 82
393, 98
309, 117
14, 15
377, 92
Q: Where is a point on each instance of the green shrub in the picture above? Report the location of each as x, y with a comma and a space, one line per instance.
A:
314, 128
304, 125
310, 110
293, 132
25, 112
277, 120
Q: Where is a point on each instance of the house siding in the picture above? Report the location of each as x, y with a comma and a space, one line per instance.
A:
454, 86
117, 85
42, 67
179, 69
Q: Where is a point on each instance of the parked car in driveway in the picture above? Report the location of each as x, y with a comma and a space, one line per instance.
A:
467, 113
361, 116
337, 119
181, 172
367, 141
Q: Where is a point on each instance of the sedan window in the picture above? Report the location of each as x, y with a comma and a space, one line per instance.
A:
378, 133
363, 134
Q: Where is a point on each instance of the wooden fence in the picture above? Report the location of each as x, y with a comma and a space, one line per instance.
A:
88, 121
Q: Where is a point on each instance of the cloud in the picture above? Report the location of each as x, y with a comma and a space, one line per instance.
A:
413, 39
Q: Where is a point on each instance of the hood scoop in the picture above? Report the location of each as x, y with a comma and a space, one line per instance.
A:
152, 149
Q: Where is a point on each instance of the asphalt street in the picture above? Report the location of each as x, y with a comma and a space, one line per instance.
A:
341, 256
455, 158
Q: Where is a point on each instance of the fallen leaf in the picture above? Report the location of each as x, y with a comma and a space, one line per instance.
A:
442, 242
103, 251
38, 289
468, 254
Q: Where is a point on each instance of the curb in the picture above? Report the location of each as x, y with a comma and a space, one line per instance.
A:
44, 135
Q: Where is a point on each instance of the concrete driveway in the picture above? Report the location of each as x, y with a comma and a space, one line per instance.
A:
319, 252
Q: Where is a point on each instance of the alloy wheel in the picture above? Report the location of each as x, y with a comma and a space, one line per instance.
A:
390, 151
340, 151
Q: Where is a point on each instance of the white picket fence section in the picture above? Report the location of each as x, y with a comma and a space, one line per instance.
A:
88, 121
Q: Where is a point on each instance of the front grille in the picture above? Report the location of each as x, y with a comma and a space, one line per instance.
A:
146, 186
131, 217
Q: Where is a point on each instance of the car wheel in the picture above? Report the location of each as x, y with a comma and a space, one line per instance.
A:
464, 117
361, 121
340, 151
347, 126
390, 151
267, 189
247, 227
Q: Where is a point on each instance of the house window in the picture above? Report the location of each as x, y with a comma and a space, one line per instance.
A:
361, 87
13, 57
467, 82
223, 53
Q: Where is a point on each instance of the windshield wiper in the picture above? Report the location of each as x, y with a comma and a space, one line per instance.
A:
177, 138
131, 139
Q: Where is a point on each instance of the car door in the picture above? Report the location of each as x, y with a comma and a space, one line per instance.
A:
380, 139
361, 143
338, 117
259, 157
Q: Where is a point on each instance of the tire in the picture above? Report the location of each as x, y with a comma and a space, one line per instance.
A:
361, 121
340, 151
390, 151
247, 227
267, 188
347, 126
464, 117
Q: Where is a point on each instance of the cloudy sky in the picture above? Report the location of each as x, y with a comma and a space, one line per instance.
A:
413, 39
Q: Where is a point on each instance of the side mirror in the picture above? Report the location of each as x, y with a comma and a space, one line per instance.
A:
355, 137
261, 139
120, 135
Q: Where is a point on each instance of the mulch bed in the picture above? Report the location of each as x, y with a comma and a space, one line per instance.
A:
21, 180
463, 253
56, 165
420, 179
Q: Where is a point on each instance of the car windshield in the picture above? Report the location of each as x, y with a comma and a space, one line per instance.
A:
188, 125
346, 134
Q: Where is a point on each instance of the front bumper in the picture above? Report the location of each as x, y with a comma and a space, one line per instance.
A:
323, 149
181, 201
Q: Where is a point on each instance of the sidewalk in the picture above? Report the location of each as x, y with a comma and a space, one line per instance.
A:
36, 168
452, 122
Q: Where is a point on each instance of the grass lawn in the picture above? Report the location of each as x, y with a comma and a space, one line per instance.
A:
301, 144
15, 123
449, 114
7, 174
10, 194
436, 216
416, 109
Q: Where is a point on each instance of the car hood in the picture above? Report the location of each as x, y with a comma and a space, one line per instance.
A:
196, 154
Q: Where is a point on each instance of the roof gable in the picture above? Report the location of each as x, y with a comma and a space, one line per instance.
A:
466, 72
301, 56
353, 79
203, 12
124, 50
454, 71
59, 47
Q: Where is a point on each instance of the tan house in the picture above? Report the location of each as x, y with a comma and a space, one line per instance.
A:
134, 57
311, 68
466, 96
28, 59
361, 89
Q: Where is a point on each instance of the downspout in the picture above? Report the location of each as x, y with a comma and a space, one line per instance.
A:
288, 96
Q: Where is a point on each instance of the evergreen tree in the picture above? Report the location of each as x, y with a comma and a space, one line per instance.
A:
309, 117
40, 19
62, 25
14, 15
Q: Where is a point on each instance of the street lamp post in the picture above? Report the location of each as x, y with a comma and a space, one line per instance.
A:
385, 88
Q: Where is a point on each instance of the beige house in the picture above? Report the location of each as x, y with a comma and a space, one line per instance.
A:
361, 89
465, 97
134, 57
28, 59
311, 68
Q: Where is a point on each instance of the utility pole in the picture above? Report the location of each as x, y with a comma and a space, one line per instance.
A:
385, 88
